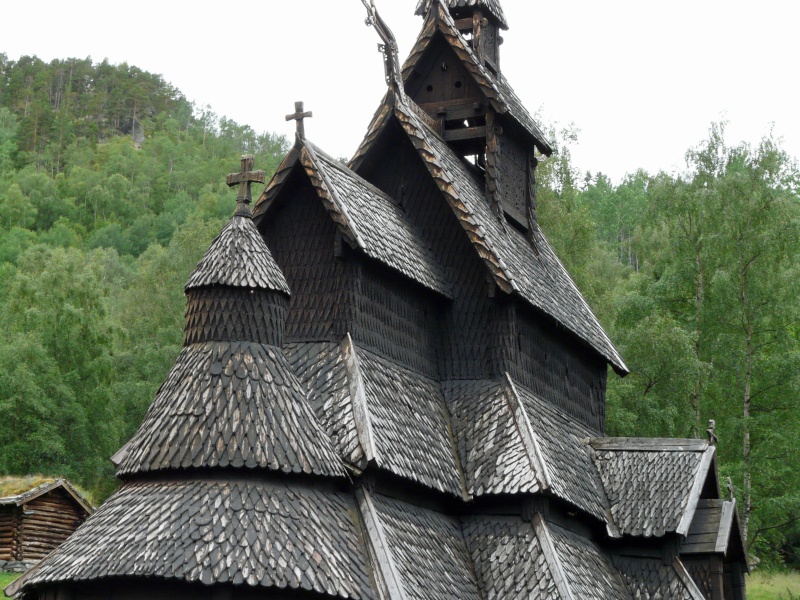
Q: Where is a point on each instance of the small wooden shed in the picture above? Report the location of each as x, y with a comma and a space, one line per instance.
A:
36, 516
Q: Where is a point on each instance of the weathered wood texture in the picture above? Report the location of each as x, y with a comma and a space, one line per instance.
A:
317, 309
227, 315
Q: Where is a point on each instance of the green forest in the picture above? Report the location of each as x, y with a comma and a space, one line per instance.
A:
112, 185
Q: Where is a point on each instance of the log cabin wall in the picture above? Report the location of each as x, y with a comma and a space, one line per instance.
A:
47, 521
396, 318
302, 239
466, 339
8, 532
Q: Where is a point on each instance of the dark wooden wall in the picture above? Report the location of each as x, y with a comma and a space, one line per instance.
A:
440, 77
466, 340
234, 314
485, 336
513, 165
9, 532
302, 239
396, 318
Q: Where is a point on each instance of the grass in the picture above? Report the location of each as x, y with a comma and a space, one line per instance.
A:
774, 586
5, 579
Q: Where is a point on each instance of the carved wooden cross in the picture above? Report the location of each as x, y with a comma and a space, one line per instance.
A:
298, 116
244, 178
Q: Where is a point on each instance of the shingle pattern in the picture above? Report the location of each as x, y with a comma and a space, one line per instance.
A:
509, 561
238, 257
492, 6
651, 579
572, 474
495, 87
246, 533
532, 270
492, 453
648, 492
410, 423
589, 571
381, 225
321, 369
231, 405
220, 314
428, 551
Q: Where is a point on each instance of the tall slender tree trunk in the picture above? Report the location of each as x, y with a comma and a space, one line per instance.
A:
699, 297
747, 501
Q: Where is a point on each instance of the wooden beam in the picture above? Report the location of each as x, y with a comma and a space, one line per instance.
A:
468, 133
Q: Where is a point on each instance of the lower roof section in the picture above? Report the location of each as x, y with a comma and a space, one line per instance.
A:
251, 534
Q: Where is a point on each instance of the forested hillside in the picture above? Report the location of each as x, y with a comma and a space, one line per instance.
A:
112, 186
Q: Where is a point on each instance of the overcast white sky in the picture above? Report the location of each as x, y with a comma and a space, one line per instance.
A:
641, 79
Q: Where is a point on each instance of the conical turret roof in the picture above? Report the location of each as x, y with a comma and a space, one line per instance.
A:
239, 258
232, 400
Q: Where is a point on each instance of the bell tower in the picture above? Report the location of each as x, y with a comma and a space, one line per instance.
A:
454, 76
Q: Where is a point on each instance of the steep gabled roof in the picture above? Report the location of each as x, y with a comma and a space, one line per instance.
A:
496, 88
531, 270
493, 6
369, 219
715, 529
217, 532
238, 257
653, 485
420, 553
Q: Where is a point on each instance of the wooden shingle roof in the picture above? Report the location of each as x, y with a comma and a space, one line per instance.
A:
369, 219
238, 257
234, 405
216, 532
653, 485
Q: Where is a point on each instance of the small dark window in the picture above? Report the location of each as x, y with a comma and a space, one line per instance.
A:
429, 88
458, 84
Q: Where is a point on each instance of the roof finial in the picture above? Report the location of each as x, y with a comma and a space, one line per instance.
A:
243, 179
712, 436
391, 56
299, 116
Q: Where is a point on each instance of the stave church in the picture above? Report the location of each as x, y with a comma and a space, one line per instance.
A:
391, 388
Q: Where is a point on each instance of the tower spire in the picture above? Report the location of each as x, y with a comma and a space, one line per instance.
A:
244, 178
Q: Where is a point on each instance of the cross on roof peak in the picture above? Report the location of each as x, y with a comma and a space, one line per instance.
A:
299, 116
244, 178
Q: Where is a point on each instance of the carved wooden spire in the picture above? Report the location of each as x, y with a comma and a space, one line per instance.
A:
391, 56
299, 115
